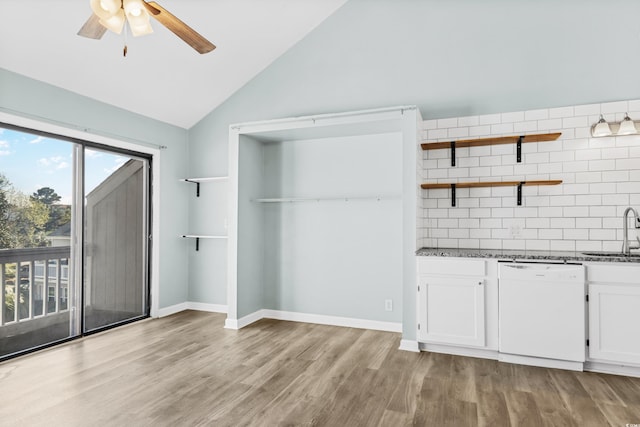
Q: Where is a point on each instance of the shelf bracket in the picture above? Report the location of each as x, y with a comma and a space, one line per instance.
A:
519, 149
197, 243
197, 186
453, 195
453, 153
520, 193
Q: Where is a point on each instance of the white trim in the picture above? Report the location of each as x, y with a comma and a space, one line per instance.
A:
67, 129
287, 123
480, 353
190, 305
540, 361
172, 309
318, 319
201, 306
244, 321
608, 368
409, 345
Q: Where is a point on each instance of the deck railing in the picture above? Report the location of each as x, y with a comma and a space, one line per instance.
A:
34, 283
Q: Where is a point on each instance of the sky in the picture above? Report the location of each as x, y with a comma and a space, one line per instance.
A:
31, 162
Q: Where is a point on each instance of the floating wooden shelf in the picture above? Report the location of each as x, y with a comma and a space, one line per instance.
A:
519, 184
517, 139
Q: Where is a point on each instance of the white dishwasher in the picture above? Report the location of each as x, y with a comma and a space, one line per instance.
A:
542, 314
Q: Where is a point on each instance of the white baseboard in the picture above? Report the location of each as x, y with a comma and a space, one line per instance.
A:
539, 361
313, 318
608, 368
244, 321
480, 353
212, 308
172, 309
320, 319
200, 306
409, 345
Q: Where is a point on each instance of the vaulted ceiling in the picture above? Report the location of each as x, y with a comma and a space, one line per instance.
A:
161, 77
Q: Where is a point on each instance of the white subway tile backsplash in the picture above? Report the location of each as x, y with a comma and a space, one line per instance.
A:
458, 132
523, 127
587, 110
448, 123
561, 112
550, 124
536, 114
490, 119
614, 107
517, 116
480, 131
501, 128
601, 177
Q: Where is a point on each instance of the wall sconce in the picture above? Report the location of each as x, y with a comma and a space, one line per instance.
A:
604, 128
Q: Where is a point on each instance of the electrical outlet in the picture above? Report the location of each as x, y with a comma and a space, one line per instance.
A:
515, 230
388, 305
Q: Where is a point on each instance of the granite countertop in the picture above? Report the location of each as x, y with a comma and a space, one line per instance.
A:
526, 255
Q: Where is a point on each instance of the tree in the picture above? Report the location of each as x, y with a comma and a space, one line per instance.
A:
25, 221
46, 195
5, 210
58, 214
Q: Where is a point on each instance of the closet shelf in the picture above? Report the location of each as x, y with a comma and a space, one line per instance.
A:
516, 139
319, 199
197, 181
519, 184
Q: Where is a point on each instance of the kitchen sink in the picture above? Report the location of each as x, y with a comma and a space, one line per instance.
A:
611, 254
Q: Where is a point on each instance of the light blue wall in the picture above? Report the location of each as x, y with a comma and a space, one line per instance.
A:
451, 58
23, 96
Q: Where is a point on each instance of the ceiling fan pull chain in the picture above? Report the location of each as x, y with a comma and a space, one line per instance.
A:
124, 50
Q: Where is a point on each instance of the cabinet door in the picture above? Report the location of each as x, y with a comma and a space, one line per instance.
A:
451, 310
614, 312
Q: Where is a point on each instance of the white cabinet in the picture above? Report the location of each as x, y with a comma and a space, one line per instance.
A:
457, 302
614, 310
452, 310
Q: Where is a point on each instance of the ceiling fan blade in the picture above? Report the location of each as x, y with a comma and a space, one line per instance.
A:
92, 29
179, 28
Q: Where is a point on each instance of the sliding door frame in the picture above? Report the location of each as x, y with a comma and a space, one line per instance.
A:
140, 149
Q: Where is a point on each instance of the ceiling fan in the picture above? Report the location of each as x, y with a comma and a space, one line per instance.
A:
112, 14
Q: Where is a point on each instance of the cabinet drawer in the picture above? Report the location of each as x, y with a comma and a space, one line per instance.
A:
614, 273
451, 266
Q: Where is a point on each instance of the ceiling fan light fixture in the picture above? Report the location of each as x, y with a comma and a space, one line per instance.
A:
133, 8
105, 9
138, 17
114, 23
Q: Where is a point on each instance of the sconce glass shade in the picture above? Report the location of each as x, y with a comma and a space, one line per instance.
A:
601, 128
115, 23
627, 126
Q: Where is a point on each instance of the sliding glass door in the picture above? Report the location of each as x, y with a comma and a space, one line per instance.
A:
73, 238
115, 239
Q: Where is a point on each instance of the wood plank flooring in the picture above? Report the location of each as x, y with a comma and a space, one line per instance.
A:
186, 370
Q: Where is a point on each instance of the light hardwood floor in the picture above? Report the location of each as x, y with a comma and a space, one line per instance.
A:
186, 370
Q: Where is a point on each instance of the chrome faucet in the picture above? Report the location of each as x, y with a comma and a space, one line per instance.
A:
626, 247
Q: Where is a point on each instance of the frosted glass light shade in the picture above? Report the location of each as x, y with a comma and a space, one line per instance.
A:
105, 9
114, 23
627, 127
138, 17
133, 8
601, 128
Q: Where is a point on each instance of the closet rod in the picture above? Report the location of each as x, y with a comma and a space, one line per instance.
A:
322, 199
